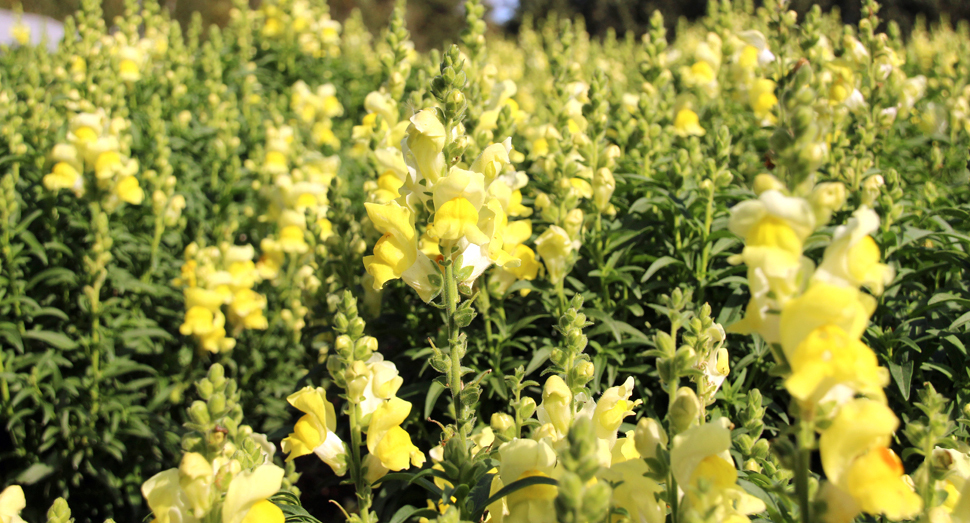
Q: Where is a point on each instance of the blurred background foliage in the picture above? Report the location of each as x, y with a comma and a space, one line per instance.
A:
434, 23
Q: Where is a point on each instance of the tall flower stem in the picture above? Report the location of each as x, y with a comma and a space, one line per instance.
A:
805, 439
451, 299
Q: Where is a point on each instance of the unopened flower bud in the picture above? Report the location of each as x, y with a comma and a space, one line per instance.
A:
647, 436
502, 422
766, 182
685, 409
527, 408
827, 198
871, 189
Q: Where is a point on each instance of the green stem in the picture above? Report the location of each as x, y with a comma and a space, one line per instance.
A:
805, 439
600, 247
706, 253
363, 490
451, 298
156, 241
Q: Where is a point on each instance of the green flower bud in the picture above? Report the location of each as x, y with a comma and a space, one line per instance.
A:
647, 436
685, 409
199, 413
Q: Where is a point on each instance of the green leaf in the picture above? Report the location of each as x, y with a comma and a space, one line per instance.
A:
658, 264
903, 376
407, 512
55, 339
434, 391
516, 486
34, 473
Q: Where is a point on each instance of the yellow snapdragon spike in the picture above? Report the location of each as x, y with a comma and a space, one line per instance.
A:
686, 123
875, 481
248, 489
106, 164
63, 176
247, 307
581, 187
828, 357
395, 450
457, 219
387, 441
12, 501
859, 426
824, 304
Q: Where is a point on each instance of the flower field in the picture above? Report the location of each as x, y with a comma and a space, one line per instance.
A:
289, 270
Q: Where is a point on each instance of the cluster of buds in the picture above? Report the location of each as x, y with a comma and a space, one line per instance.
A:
214, 277
226, 468
96, 145
317, 108
307, 24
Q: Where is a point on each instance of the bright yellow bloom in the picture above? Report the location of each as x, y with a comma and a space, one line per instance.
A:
292, 240
425, 141
635, 493
314, 431
272, 259
210, 299
64, 176
613, 406
828, 357
249, 491
397, 249
165, 498
852, 259
856, 459
762, 99
555, 248
128, 191
686, 123
200, 321
458, 218
388, 442
824, 304
556, 406
528, 269
524, 458
246, 309
12, 501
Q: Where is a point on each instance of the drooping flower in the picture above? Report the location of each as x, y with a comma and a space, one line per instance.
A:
314, 432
